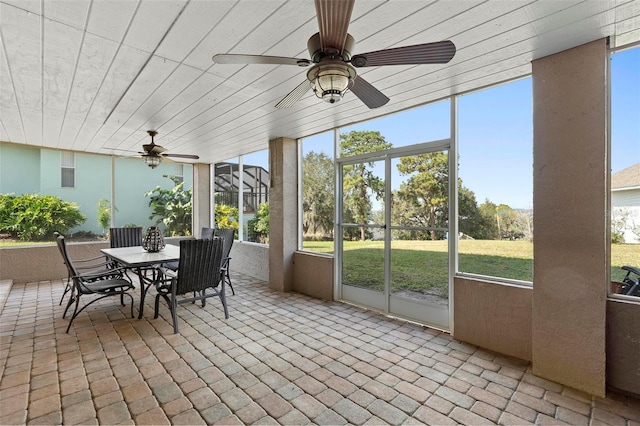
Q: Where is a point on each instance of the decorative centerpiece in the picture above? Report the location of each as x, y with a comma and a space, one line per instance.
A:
153, 241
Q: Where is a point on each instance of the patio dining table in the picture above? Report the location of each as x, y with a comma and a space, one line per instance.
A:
138, 260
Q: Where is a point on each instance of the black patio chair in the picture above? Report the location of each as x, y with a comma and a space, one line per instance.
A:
125, 237
100, 283
129, 236
205, 234
198, 272
227, 235
83, 265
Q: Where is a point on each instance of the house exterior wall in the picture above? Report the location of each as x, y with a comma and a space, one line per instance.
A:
625, 206
92, 183
19, 169
32, 170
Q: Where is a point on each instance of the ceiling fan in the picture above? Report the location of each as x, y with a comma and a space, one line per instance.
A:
334, 69
153, 154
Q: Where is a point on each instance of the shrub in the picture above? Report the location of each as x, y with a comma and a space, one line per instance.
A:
171, 207
35, 217
104, 214
226, 216
259, 226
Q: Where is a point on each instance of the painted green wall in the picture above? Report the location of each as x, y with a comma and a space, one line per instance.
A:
133, 179
19, 169
92, 182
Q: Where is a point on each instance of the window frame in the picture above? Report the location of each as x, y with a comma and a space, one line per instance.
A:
67, 155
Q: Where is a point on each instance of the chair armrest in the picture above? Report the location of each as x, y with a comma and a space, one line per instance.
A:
631, 269
168, 272
103, 273
95, 266
88, 259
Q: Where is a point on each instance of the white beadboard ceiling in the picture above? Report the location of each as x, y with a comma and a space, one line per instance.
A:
93, 75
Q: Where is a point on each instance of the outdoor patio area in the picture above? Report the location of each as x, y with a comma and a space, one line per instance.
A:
282, 358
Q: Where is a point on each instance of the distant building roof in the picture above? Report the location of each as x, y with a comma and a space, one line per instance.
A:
626, 178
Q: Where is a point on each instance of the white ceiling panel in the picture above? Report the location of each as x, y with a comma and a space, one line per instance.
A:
111, 19
192, 28
72, 13
93, 74
152, 21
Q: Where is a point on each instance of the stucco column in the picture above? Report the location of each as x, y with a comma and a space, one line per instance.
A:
571, 244
201, 197
283, 212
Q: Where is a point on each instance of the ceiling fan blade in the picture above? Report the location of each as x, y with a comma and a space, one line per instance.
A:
439, 52
372, 97
333, 22
295, 95
259, 59
118, 149
193, 157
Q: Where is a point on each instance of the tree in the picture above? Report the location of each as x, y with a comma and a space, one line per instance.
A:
471, 219
172, 207
508, 223
317, 193
359, 182
424, 195
488, 212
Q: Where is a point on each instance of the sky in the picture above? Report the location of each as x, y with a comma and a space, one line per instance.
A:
495, 133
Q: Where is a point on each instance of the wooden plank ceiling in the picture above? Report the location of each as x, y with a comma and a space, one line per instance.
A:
95, 75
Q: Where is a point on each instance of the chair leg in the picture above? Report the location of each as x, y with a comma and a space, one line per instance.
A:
228, 279
131, 297
174, 314
75, 313
156, 310
223, 299
71, 300
67, 287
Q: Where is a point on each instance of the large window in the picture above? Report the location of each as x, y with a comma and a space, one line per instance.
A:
415, 126
255, 194
241, 196
495, 189
625, 172
317, 190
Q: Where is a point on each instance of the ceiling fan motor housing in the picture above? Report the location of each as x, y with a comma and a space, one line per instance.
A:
315, 49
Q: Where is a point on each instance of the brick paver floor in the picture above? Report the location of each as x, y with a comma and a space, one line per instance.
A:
279, 359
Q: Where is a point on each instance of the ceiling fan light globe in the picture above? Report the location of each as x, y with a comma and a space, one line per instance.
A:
152, 161
331, 81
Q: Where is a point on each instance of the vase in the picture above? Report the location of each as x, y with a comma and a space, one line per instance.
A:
153, 241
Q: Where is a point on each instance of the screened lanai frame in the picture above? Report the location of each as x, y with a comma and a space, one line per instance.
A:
610, 149
453, 220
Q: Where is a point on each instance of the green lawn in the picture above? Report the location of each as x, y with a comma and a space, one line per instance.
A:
422, 265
